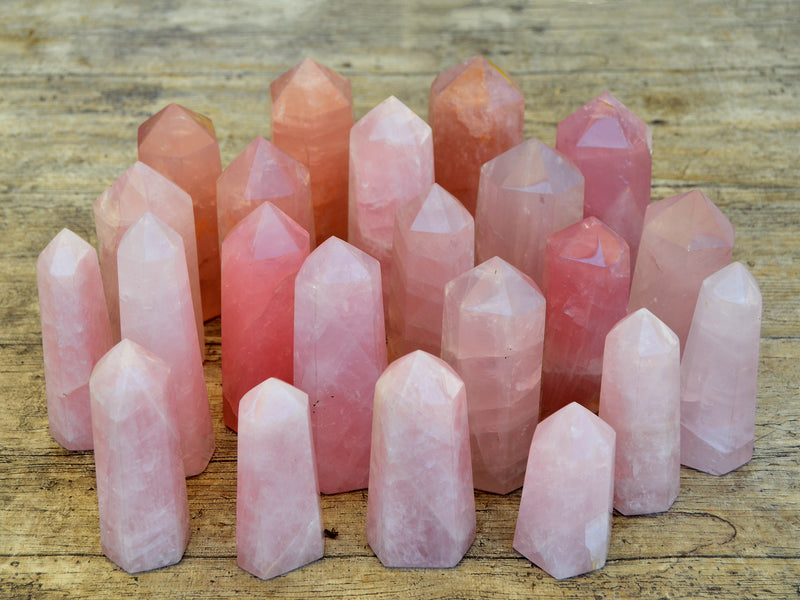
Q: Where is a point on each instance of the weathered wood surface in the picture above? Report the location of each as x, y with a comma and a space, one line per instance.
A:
719, 83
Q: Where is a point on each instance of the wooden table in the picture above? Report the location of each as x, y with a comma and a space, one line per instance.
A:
717, 81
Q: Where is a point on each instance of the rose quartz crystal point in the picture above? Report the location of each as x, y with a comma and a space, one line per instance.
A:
613, 149
719, 373
492, 336
434, 241
156, 312
76, 333
260, 260
312, 113
476, 112
525, 194
420, 507
141, 490
278, 514
391, 163
339, 353
261, 173
564, 521
138, 190
586, 281
182, 145
640, 399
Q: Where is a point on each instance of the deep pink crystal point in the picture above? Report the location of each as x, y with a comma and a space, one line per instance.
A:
564, 521
76, 333
339, 353
492, 336
421, 506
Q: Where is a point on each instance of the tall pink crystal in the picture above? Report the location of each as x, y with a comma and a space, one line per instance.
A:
719, 373
420, 507
278, 515
312, 113
492, 336
75, 334
525, 194
476, 112
141, 490
182, 145
640, 399
260, 260
564, 521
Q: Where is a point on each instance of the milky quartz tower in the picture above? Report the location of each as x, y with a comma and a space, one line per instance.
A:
141, 490
434, 241
278, 515
260, 260
182, 145
586, 281
719, 373
339, 353
564, 521
420, 507
312, 113
613, 149
75, 334
525, 194
685, 239
492, 336
476, 112
640, 398
391, 163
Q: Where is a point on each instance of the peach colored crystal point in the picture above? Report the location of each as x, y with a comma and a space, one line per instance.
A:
312, 113
182, 145
75, 334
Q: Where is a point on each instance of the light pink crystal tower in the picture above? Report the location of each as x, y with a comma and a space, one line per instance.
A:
492, 336
278, 514
564, 521
141, 490
76, 333
420, 507
339, 353
719, 373
476, 112
640, 398
525, 194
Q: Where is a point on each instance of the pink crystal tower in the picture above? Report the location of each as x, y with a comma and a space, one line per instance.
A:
76, 333
492, 336
420, 507
719, 373
339, 353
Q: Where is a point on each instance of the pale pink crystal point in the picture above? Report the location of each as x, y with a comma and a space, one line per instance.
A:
640, 399
155, 305
391, 164
75, 334
420, 507
564, 522
312, 113
261, 173
492, 336
476, 112
525, 194
339, 353
141, 490
278, 514
182, 145
260, 260
719, 373
138, 190
434, 241
685, 239
613, 149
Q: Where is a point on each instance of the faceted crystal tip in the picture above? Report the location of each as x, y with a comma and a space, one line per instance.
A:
62, 255
150, 239
271, 233
734, 284
591, 241
690, 221
175, 131
336, 261
301, 87
497, 287
482, 76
